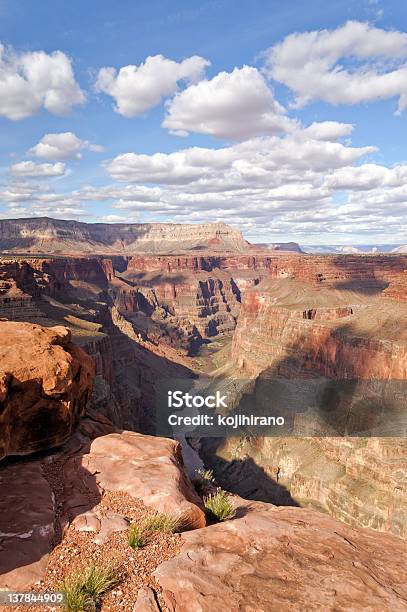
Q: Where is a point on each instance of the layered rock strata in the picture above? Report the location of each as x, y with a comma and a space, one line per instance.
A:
45, 235
294, 331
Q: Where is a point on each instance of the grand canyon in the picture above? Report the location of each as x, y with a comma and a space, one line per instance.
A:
93, 316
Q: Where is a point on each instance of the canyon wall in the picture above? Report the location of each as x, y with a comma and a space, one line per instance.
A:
45, 235
316, 320
298, 317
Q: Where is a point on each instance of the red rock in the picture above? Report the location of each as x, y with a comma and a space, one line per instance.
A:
45, 384
272, 559
145, 467
146, 601
27, 513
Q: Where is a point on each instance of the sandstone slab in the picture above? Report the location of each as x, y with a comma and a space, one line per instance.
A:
27, 513
271, 559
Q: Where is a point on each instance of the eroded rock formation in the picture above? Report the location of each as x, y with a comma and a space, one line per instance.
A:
45, 384
309, 329
45, 235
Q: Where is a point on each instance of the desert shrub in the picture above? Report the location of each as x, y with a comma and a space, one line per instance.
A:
164, 523
137, 537
203, 481
206, 475
84, 590
219, 505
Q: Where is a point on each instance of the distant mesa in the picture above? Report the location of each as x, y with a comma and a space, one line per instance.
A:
348, 249
44, 235
292, 247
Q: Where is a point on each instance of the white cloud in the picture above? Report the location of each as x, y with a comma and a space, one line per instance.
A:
354, 63
236, 105
272, 188
29, 169
65, 145
135, 89
367, 177
34, 80
328, 130
260, 161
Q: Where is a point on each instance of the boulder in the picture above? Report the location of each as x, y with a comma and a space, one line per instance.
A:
45, 384
146, 467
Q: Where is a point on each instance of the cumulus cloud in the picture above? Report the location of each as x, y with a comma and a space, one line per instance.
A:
278, 187
136, 89
29, 169
354, 63
65, 145
260, 161
234, 105
328, 130
34, 80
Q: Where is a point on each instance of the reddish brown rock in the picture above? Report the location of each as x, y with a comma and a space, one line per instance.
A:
146, 601
272, 559
145, 467
45, 384
27, 513
46, 235
294, 330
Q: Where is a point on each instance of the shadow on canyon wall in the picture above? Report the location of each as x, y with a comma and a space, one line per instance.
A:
342, 404
370, 274
243, 476
144, 278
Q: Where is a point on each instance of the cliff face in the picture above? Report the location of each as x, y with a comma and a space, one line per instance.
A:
45, 384
206, 262
320, 333
369, 273
45, 235
198, 297
292, 329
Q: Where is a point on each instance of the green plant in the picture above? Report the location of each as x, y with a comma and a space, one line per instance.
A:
206, 475
161, 522
76, 600
219, 505
136, 536
84, 590
203, 481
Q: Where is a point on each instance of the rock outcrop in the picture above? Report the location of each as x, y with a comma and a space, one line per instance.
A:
272, 559
40, 496
146, 467
45, 235
45, 384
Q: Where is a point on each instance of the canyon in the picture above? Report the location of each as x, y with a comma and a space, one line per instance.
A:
121, 308
77, 501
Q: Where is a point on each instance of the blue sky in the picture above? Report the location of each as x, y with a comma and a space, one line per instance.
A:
215, 126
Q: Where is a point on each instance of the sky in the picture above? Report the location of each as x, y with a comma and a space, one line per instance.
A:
287, 120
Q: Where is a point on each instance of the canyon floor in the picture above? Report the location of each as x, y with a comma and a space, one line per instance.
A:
321, 513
